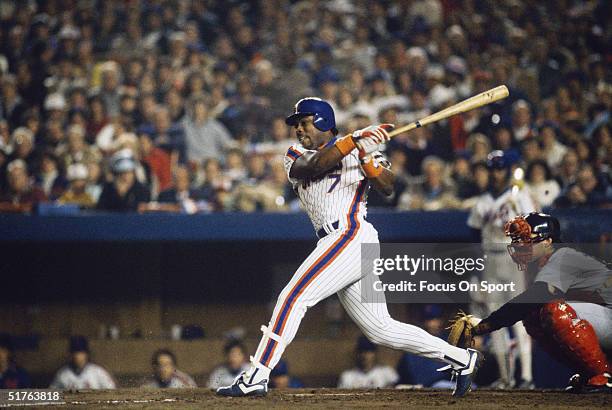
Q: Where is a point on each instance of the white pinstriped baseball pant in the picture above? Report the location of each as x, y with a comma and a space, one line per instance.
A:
335, 267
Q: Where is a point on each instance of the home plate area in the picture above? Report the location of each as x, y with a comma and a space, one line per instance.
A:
332, 398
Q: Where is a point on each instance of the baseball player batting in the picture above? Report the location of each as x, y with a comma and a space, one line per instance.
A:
331, 177
501, 203
567, 309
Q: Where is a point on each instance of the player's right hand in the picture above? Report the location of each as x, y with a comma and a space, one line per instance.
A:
368, 139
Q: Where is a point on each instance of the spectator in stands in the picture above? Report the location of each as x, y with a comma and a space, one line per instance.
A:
167, 135
187, 198
124, 193
21, 195
165, 373
23, 146
462, 178
158, 160
504, 141
12, 105
434, 193
234, 166
281, 379
530, 151
589, 190
569, 169
77, 150
540, 183
50, 178
80, 372
5, 136
522, 127
12, 376
216, 187
551, 147
77, 73
270, 195
94, 180
235, 362
206, 137
77, 190
109, 90
603, 146
479, 146
367, 373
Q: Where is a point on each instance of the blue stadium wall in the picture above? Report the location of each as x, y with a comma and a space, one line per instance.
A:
201, 258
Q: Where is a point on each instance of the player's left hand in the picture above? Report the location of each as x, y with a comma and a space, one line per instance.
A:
462, 330
368, 139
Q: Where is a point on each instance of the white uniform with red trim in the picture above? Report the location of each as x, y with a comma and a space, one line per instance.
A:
92, 376
336, 202
490, 215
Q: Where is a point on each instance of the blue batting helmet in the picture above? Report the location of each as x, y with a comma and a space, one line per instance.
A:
324, 119
498, 160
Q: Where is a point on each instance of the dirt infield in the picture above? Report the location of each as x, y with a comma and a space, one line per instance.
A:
332, 398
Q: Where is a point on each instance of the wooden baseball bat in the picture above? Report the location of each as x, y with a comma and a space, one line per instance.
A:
484, 98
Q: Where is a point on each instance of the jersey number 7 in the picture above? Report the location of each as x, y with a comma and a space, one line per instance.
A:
337, 179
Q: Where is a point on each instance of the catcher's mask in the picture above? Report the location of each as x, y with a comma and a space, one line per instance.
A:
527, 230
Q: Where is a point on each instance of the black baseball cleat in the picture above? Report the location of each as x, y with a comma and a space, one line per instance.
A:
579, 384
240, 388
465, 375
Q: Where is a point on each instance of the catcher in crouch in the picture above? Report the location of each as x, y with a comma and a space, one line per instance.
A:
567, 309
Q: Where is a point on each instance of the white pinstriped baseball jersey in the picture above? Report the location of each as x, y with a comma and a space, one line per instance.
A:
328, 198
334, 266
490, 214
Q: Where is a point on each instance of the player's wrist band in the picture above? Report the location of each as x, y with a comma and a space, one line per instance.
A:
371, 167
345, 144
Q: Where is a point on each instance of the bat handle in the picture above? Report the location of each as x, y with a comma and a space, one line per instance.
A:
405, 128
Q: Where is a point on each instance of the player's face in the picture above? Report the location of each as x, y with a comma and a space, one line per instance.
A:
499, 178
235, 358
281, 382
366, 360
526, 252
308, 135
165, 367
4, 358
541, 249
80, 359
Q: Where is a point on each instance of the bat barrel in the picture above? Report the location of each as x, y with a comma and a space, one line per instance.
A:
479, 100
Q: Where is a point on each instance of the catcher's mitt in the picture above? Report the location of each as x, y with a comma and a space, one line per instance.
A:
461, 330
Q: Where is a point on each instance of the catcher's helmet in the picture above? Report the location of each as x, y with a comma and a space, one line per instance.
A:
324, 119
544, 225
526, 230
498, 160
533, 227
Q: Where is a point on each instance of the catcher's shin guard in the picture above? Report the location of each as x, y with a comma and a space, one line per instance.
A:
559, 330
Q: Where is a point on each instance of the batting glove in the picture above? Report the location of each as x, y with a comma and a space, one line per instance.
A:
368, 139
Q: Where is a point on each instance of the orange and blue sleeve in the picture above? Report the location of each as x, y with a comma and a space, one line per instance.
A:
293, 153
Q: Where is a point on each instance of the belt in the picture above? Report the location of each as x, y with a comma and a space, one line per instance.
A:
322, 233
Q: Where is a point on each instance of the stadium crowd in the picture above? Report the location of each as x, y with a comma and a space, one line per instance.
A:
179, 105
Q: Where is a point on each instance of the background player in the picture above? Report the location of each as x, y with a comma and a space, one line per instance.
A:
567, 309
501, 203
80, 372
331, 176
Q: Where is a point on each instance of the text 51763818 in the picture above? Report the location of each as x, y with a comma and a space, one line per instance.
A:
31, 396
